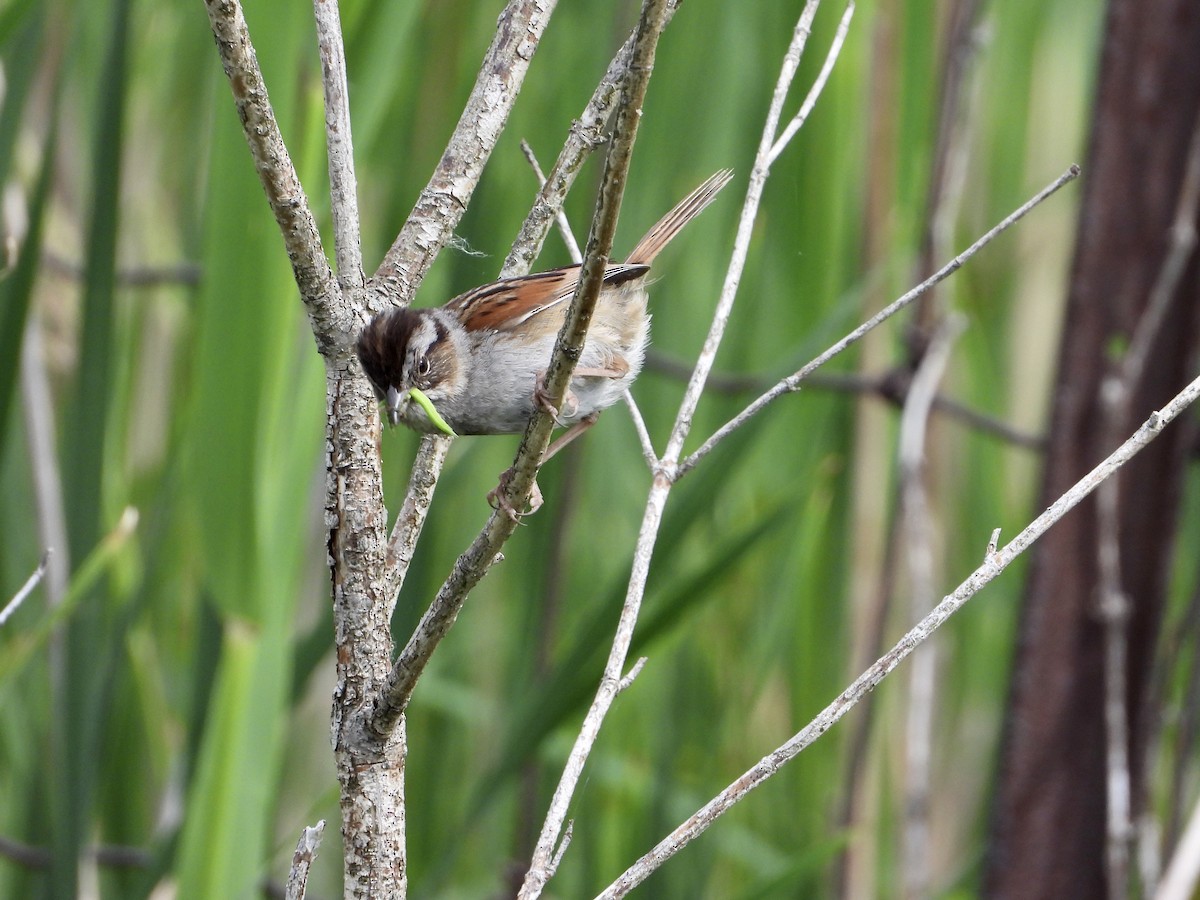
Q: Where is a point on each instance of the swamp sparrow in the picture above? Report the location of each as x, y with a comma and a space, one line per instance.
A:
474, 365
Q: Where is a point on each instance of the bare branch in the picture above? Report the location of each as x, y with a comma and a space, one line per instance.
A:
560, 217
627, 682
116, 856
568, 833
186, 274
343, 186
944, 192
333, 322
835, 49
951, 154
890, 386
866, 682
650, 25
893, 387
793, 382
302, 860
993, 543
422, 481
643, 433
26, 589
1114, 611
371, 776
741, 242
1183, 243
985, 424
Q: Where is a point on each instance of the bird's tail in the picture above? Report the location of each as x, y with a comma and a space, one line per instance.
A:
682, 213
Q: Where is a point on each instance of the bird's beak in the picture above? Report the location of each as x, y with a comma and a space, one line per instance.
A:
393, 405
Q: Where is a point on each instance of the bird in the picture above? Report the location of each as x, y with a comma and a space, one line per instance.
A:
475, 364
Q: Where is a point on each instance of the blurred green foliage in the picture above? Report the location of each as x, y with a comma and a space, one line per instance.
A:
181, 706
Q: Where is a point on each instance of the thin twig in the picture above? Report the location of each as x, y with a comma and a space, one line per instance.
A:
343, 185
116, 856
1179, 253
985, 424
187, 274
1114, 612
835, 49
26, 589
568, 833
890, 386
627, 682
865, 683
741, 242
718, 382
422, 481
930, 332
302, 860
793, 382
560, 217
894, 386
948, 172
993, 543
873, 619
643, 433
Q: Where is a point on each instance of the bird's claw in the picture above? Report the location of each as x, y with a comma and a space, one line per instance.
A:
497, 498
541, 398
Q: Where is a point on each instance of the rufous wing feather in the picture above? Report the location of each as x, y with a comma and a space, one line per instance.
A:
510, 302
505, 304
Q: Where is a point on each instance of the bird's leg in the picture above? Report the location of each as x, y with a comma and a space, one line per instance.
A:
618, 369
541, 398
570, 434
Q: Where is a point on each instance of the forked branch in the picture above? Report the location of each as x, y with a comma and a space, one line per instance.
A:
993, 565
543, 863
333, 322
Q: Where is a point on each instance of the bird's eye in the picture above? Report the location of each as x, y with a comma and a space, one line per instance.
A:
423, 367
